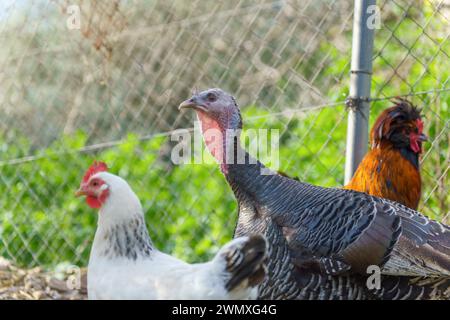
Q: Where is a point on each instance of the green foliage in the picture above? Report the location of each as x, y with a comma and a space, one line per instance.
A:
190, 209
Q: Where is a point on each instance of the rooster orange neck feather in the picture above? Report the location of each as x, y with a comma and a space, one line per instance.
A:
385, 173
391, 168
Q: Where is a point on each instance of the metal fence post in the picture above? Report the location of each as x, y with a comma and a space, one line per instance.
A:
360, 80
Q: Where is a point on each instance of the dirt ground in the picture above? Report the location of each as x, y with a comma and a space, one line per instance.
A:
37, 284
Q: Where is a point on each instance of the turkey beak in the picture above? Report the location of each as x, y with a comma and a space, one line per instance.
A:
192, 103
188, 104
423, 137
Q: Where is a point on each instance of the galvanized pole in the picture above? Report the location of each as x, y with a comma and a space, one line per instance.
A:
360, 80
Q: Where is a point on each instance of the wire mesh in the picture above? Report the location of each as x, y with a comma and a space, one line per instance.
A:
110, 90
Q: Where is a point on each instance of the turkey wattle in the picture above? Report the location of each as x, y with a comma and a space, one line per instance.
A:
124, 264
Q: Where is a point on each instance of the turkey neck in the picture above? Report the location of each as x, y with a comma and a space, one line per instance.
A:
127, 238
255, 186
246, 179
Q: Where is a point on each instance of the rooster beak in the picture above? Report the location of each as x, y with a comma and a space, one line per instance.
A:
423, 137
188, 104
80, 192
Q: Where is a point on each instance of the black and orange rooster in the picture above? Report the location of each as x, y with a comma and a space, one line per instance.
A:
391, 168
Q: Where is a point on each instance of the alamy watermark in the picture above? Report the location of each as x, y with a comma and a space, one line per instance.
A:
73, 281
374, 18
73, 22
374, 280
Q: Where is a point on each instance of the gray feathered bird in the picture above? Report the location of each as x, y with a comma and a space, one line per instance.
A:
322, 240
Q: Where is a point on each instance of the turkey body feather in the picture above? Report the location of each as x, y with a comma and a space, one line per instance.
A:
351, 227
326, 238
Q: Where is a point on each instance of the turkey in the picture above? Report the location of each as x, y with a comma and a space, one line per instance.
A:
322, 240
124, 264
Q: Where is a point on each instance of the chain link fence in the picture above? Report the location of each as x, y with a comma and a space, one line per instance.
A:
110, 90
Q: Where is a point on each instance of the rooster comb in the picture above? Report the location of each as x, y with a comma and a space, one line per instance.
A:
402, 111
406, 108
96, 167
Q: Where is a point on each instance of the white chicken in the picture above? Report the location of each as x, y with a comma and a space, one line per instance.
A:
124, 264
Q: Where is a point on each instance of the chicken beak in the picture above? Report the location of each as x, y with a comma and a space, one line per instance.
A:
80, 192
423, 137
188, 104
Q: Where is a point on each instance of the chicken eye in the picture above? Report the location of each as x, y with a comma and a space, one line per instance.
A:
95, 183
211, 97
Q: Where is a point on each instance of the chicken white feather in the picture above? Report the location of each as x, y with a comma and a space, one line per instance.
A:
124, 264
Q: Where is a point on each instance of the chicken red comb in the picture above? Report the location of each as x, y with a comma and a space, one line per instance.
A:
96, 167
